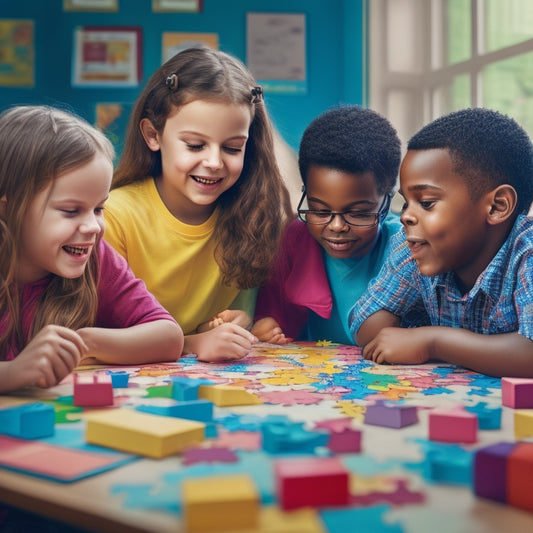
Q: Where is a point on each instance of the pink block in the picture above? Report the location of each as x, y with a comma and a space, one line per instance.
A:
92, 390
311, 482
346, 441
517, 393
452, 425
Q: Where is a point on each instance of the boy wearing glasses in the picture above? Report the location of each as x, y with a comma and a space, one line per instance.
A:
466, 252
349, 159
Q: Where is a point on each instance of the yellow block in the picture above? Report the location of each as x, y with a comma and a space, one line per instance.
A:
141, 433
523, 423
220, 503
227, 395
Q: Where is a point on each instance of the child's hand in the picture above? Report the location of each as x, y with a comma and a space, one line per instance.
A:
223, 343
50, 356
268, 330
229, 316
399, 346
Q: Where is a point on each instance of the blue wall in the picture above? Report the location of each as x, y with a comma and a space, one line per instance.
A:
335, 52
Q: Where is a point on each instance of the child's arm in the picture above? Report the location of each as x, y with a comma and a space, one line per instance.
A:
268, 330
223, 343
50, 356
229, 316
149, 342
507, 354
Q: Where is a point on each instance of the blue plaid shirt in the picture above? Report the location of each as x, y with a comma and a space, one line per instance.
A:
501, 301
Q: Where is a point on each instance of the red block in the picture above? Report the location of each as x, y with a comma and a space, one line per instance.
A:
519, 476
311, 482
93, 390
517, 393
452, 425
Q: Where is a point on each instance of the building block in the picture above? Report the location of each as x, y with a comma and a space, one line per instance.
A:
141, 433
200, 410
185, 389
227, 395
286, 436
523, 423
220, 503
451, 466
311, 482
490, 471
28, 421
119, 378
346, 441
452, 425
92, 390
519, 476
517, 393
487, 417
390, 414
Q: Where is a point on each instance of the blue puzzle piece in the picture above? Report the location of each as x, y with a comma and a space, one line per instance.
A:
291, 437
186, 388
28, 421
343, 520
488, 417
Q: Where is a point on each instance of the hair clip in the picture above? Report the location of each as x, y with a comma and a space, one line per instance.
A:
172, 82
257, 94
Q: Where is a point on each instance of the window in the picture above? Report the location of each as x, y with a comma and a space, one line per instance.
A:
431, 57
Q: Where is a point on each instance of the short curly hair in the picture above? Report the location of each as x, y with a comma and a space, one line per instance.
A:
352, 139
487, 149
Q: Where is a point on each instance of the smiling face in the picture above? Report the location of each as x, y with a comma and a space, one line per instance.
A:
64, 221
202, 155
446, 230
336, 190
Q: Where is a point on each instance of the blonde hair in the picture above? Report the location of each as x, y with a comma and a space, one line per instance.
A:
254, 210
38, 144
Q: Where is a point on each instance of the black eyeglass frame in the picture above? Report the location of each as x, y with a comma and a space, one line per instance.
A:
380, 215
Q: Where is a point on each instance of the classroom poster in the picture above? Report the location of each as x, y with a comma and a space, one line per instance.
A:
174, 42
17, 53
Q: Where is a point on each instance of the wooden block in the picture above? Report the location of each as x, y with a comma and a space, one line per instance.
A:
186, 389
200, 410
92, 390
141, 433
490, 471
311, 482
227, 395
517, 393
452, 425
390, 414
347, 441
28, 421
220, 503
523, 423
119, 378
519, 476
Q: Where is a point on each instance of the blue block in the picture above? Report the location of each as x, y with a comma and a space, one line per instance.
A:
291, 437
453, 466
184, 389
28, 421
119, 378
200, 410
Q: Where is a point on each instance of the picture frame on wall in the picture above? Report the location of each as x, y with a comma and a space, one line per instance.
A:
107, 56
174, 42
103, 6
177, 6
17, 57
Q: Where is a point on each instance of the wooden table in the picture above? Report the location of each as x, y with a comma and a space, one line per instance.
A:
308, 384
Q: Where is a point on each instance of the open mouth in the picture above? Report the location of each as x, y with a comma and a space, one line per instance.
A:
76, 250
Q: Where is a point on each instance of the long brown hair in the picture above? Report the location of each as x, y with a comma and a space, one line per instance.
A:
252, 212
38, 144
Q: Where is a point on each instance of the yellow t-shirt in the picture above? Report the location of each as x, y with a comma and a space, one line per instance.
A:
175, 260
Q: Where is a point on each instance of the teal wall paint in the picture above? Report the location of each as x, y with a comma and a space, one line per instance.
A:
336, 51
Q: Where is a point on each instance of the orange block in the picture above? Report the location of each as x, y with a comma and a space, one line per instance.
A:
519, 476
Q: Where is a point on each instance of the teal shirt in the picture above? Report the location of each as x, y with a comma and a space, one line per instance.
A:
348, 279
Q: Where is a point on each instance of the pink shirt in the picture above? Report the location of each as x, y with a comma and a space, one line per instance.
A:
123, 299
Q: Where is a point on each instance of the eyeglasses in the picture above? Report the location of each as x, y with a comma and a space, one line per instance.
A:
352, 218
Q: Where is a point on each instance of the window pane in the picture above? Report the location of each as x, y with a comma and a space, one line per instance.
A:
458, 31
452, 97
508, 87
507, 22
